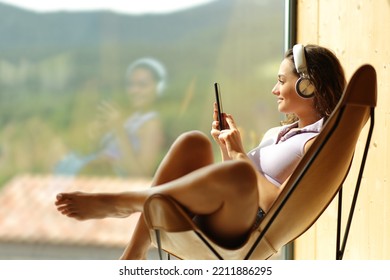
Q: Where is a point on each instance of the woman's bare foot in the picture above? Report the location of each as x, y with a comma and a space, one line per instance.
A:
84, 206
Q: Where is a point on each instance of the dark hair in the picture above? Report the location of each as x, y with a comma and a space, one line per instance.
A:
326, 74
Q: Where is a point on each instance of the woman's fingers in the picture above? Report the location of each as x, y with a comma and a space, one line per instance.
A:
230, 121
215, 125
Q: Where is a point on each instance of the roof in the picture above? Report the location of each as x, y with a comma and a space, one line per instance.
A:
28, 213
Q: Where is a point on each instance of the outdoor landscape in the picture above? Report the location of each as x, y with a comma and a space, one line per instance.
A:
56, 69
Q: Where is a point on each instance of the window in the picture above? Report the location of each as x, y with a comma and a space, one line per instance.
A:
100, 95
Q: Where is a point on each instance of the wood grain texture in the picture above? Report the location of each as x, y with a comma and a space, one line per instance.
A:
358, 32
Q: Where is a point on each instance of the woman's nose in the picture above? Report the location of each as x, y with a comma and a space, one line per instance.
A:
275, 90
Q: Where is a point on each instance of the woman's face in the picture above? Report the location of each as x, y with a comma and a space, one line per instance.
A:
141, 87
289, 102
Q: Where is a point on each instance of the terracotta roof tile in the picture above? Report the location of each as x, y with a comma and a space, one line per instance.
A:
28, 214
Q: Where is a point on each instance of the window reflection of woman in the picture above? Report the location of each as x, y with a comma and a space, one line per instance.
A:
132, 146
135, 145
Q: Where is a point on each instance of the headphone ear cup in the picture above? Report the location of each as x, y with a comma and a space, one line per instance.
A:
304, 87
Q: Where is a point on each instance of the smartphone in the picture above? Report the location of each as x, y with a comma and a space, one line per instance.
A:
219, 106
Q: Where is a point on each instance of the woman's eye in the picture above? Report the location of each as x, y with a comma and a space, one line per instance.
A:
281, 82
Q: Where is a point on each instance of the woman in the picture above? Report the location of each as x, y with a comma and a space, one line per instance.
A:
246, 182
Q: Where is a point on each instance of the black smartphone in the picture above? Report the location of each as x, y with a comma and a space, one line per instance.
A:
218, 99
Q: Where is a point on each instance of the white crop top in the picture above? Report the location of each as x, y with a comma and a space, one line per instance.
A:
281, 149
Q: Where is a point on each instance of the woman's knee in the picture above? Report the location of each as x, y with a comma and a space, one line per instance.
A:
193, 140
242, 175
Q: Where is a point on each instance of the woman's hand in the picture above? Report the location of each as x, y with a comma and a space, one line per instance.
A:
229, 139
215, 130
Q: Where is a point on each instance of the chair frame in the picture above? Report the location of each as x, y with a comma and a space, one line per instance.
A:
340, 247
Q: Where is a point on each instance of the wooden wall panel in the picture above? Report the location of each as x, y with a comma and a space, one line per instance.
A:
358, 32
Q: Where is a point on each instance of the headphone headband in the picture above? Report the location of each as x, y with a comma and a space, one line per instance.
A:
300, 59
304, 87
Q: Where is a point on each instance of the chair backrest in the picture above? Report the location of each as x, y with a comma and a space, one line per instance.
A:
310, 189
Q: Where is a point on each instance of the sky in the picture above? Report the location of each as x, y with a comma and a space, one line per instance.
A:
121, 6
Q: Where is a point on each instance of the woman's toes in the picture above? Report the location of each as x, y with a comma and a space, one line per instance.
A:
61, 200
62, 208
64, 211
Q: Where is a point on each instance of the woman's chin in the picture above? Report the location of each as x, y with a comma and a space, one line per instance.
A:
282, 109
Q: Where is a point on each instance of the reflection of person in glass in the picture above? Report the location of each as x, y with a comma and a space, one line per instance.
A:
133, 145
143, 129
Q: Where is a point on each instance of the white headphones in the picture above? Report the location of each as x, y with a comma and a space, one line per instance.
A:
156, 67
303, 86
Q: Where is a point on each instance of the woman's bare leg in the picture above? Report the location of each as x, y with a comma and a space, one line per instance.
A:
224, 194
229, 208
189, 152
215, 191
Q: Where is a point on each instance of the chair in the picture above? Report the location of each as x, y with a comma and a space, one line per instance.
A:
314, 183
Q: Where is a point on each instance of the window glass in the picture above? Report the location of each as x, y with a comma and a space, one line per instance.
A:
96, 97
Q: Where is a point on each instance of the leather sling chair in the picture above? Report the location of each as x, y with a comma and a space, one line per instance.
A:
314, 183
